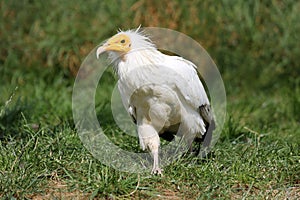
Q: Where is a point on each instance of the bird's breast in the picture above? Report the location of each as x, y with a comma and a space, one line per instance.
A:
158, 99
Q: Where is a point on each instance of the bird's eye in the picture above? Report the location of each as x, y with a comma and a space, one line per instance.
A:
123, 41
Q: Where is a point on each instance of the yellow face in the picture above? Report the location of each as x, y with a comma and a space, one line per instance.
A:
119, 43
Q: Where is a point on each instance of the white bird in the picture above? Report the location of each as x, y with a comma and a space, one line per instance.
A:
159, 91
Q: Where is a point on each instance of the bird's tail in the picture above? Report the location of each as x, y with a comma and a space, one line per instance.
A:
206, 140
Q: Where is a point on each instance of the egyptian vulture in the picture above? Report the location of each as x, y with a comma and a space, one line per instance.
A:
159, 91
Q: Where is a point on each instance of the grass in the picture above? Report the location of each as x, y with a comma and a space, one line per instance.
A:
255, 46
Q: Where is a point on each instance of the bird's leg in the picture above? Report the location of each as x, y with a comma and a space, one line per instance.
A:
149, 138
156, 169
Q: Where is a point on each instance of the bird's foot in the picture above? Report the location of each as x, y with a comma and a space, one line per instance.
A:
157, 171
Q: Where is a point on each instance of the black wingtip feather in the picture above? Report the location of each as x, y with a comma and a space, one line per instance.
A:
206, 140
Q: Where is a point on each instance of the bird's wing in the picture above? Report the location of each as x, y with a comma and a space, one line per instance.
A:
189, 84
195, 95
179, 74
132, 112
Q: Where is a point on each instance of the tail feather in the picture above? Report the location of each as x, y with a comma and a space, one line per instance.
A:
206, 113
206, 140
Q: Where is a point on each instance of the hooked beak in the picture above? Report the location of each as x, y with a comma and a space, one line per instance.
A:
101, 50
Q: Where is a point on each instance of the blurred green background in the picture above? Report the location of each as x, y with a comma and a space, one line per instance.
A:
248, 40
255, 44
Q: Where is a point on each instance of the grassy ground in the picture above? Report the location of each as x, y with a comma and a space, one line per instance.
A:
255, 45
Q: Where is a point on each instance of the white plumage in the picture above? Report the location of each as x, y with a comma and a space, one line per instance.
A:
159, 91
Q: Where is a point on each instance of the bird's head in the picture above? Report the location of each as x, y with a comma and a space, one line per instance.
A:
119, 43
124, 42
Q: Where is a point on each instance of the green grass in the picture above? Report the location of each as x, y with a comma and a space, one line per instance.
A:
255, 45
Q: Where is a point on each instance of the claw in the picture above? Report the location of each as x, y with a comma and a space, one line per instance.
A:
157, 171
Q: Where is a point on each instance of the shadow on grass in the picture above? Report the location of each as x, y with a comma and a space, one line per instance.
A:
12, 119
